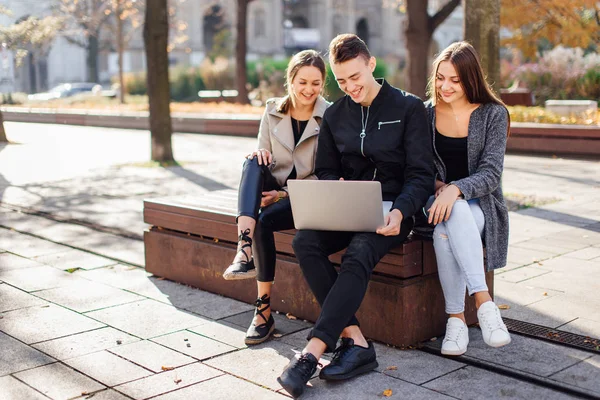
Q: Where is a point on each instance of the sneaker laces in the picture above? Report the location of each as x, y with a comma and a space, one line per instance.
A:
453, 332
306, 366
341, 350
492, 319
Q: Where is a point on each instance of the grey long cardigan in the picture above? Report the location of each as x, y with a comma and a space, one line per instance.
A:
486, 146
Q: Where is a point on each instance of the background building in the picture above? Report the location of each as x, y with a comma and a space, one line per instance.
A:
275, 28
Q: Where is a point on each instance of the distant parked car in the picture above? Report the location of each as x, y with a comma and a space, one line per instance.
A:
66, 90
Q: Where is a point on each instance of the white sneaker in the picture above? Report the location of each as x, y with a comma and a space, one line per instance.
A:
492, 327
457, 337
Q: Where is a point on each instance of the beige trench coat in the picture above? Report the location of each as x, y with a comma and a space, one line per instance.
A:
276, 135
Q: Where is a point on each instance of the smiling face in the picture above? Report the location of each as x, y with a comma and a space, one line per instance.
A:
355, 78
447, 83
306, 86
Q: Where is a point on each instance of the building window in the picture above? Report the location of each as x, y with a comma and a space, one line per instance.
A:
259, 23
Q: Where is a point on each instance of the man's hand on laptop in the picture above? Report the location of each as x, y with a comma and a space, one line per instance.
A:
263, 156
392, 223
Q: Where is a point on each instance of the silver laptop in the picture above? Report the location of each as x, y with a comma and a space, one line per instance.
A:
354, 206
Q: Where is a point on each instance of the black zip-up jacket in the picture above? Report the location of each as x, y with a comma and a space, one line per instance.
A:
396, 147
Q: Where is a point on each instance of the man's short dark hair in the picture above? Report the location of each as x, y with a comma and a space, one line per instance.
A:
346, 47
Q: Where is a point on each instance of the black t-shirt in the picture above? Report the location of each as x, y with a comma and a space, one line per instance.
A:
298, 128
453, 152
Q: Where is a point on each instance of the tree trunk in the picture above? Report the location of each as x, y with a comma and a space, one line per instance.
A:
156, 38
120, 50
241, 47
3, 138
481, 29
418, 34
92, 58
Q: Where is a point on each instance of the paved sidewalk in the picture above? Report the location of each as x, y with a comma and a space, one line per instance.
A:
78, 316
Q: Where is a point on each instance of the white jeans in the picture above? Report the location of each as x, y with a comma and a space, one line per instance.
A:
459, 254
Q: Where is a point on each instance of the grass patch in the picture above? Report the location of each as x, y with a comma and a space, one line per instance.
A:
516, 201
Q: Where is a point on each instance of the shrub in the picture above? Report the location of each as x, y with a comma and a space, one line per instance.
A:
563, 74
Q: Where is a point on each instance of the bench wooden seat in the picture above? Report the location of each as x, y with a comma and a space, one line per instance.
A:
193, 240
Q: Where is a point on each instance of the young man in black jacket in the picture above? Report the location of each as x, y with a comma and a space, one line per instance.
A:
375, 132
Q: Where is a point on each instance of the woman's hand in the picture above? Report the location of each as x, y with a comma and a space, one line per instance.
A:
269, 198
442, 206
264, 156
439, 187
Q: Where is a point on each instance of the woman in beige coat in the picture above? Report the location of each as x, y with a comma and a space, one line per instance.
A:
287, 146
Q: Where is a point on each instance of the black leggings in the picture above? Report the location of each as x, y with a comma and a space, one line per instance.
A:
275, 217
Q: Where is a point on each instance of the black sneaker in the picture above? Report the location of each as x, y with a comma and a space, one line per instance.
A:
297, 373
350, 360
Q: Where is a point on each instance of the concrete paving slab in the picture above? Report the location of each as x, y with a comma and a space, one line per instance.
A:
526, 354
75, 259
521, 274
38, 278
151, 356
191, 299
261, 364
555, 247
10, 261
297, 340
520, 293
583, 327
88, 296
475, 383
168, 381
134, 318
120, 276
38, 324
369, 386
18, 357
108, 368
413, 366
128, 250
224, 387
587, 253
223, 332
107, 394
58, 381
11, 388
583, 374
85, 343
64, 232
14, 299
565, 307
283, 325
523, 256
193, 344
522, 313
29, 246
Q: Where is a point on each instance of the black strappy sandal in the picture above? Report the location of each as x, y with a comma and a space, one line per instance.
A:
242, 269
259, 333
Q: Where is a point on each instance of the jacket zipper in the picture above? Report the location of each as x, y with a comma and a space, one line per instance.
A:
387, 122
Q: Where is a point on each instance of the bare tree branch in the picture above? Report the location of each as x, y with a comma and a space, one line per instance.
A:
443, 13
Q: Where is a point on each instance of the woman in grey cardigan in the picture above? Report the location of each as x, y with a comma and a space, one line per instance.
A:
469, 126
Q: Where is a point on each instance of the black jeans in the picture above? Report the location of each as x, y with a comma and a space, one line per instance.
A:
340, 295
275, 217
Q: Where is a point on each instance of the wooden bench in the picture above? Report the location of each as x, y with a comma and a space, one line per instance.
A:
193, 240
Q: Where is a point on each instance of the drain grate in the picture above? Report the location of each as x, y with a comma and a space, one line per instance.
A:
553, 335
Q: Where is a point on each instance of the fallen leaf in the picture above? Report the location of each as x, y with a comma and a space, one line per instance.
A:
177, 381
162, 278
166, 368
277, 335
391, 368
433, 339
119, 342
216, 240
387, 392
290, 316
545, 294
504, 307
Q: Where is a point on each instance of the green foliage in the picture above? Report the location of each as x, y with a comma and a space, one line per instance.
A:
266, 69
